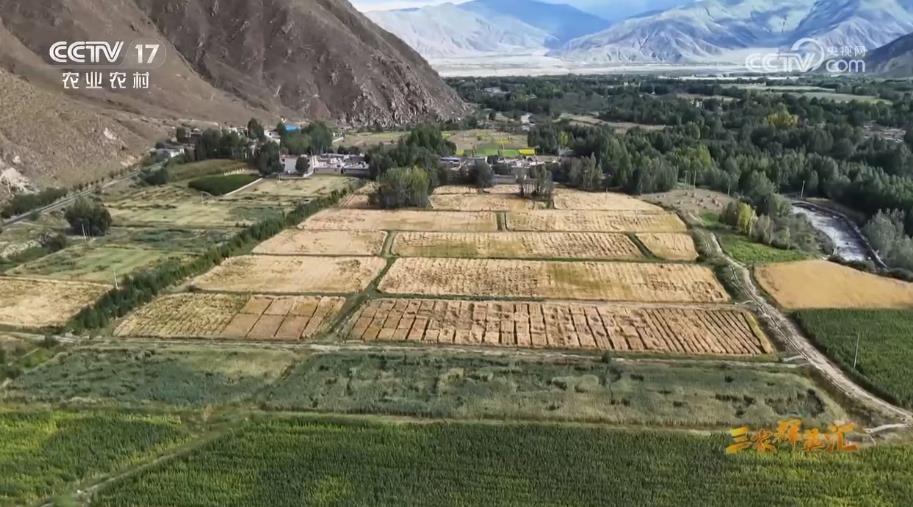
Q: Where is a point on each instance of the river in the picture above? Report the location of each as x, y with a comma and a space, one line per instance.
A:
847, 239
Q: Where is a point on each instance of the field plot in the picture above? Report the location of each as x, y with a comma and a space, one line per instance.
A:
95, 263
487, 142
567, 199
34, 303
594, 221
822, 284
639, 328
503, 384
483, 202
232, 317
43, 452
670, 246
401, 220
458, 189
317, 185
607, 281
517, 245
269, 274
356, 201
191, 213
184, 240
175, 375
297, 242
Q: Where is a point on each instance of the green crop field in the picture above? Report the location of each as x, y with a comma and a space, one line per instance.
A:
150, 375
746, 251
222, 184
181, 240
307, 461
42, 453
95, 262
317, 185
885, 346
464, 386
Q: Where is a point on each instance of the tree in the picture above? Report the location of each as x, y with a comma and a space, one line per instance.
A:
182, 135
267, 159
402, 187
88, 217
481, 174
746, 219
303, 164
255, 130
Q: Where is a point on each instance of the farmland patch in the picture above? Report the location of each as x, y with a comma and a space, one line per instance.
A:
520, 245
402, 220
607, 281
233, 317
639, 328
593, 221
269, 274
670, 246
34, 303
823, 284
483, 202
298, 242
567, 199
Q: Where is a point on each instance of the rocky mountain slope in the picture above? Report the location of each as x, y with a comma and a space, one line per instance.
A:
227, 60
894, 59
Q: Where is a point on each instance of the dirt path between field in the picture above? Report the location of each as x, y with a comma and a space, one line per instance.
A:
790, 335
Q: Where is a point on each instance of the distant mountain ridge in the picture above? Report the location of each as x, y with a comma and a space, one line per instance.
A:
704, 31
486, 27
894, 59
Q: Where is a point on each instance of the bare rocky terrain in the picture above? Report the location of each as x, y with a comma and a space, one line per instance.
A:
227, 61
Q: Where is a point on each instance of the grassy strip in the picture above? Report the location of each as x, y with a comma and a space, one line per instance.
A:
221, 185
885, 346
316, 461
141, 287
746, 251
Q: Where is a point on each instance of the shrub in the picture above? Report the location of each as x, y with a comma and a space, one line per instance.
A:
23, 203
88, 217
481, 174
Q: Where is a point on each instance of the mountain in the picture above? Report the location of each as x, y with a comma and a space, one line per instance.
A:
226, 61
894, 59
561, 22
447, 30
721, 30
487, 27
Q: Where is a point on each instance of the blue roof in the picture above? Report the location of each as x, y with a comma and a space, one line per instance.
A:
291, 127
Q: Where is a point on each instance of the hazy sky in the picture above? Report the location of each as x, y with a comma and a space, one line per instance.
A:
610, 9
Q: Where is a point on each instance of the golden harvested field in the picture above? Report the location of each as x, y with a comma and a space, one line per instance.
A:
607, 281
594, 221
639, 328
483, 202
401, 220
823, 284
34, 304
316, 185
269, 274
568, 199
670, 246
211, 316
295, 242
516, 245
356, 201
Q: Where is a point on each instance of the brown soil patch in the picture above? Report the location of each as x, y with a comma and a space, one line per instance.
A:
517, 245
594, 221
34, 304
640, 328
823, 284
670, 246
268, 274
296, 242
401, 220
607, 281
211, 316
